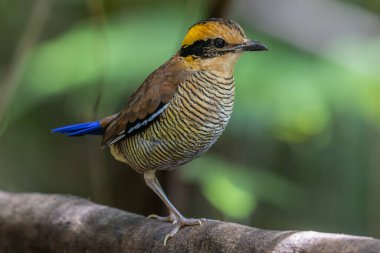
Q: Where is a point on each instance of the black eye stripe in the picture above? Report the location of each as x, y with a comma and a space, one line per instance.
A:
196, 49
204, 48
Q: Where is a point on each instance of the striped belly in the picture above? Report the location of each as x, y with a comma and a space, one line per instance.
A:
191, 123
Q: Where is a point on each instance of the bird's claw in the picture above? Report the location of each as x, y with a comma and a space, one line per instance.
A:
171, 234
182, 222
159, 218
171, 218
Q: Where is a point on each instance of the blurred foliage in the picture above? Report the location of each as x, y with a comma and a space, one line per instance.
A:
301, 150
372, 5
235, 189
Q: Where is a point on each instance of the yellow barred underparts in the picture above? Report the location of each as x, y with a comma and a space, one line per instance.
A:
188, 126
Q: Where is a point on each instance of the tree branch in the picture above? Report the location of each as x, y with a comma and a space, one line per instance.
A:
54, 223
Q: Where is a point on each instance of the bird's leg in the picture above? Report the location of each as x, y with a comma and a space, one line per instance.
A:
175, 216
171, 216
152, 181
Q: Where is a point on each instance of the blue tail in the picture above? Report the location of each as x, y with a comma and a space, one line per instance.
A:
80, 129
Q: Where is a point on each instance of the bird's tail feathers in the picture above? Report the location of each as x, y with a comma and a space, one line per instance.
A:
92, 128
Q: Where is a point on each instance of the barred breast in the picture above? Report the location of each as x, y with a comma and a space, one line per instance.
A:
188, 126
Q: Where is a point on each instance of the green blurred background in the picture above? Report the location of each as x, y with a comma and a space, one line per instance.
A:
302, 150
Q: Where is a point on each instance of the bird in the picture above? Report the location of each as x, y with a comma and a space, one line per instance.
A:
180, 109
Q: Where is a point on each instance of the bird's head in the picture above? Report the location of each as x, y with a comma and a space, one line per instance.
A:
215, 44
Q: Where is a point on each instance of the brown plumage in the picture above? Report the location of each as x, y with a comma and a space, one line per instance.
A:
180, 110
157, 89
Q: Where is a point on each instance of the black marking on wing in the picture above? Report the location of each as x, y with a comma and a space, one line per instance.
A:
139, 125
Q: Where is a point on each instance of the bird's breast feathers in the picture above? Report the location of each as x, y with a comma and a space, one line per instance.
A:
187, 127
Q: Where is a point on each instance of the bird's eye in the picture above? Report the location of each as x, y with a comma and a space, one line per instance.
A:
219, 43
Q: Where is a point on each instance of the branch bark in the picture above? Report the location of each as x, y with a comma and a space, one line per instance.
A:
31, 222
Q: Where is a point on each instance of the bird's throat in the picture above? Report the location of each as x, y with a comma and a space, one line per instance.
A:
222, 65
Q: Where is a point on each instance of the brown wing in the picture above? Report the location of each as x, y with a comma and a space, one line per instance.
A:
145, 105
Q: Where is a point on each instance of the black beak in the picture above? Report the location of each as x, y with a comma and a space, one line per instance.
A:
252, 46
